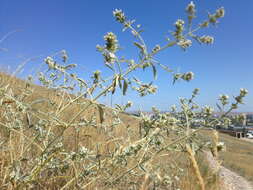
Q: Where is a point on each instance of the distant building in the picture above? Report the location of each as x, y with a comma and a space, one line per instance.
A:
249, 118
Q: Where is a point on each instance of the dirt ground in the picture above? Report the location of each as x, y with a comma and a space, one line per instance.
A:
229, 179
249, 140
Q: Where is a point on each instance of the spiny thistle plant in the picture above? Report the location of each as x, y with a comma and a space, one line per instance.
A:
67, 140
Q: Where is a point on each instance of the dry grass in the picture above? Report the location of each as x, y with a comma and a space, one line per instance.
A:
94, 139
238, 155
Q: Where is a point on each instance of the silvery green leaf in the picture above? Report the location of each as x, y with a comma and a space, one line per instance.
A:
139, 46
125, 86
154, 71
119, 81
101, 113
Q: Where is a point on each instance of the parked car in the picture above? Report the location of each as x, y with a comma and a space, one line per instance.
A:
249, 135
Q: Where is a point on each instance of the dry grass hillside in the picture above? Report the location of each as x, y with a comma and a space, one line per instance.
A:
238, 156
19, 146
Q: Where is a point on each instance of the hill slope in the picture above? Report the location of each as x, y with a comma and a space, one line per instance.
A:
38, 150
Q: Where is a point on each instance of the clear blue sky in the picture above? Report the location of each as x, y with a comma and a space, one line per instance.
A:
47, 26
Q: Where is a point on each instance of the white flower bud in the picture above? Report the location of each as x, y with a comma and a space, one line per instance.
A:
184, 43
243, 92
188, 76
206, 39
190, 9
119, 15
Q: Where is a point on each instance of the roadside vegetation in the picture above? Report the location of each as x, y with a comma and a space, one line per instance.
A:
23, 144
58, 136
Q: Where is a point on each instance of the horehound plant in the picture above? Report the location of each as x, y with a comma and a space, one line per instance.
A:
60, 137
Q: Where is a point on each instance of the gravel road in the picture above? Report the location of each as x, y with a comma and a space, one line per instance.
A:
229, 180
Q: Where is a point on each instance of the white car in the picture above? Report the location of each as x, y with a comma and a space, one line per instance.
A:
249, 135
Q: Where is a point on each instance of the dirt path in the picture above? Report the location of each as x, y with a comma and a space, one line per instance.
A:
249, 140
229, 180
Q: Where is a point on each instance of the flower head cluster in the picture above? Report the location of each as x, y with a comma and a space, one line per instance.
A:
208, 110
111, 46
206, 39
145, 89
234, 106
109, 57
96, 76
156, 49
179, 24
119, 15
129, 104
64, 56
50, 62
188, 76
243, 93
196, 91
111, 42
191, 11
128, 151
204, 24
184, 43
53, 64
224, 99
219, 14
80, 155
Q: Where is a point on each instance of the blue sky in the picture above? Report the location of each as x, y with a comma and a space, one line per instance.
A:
47, 26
